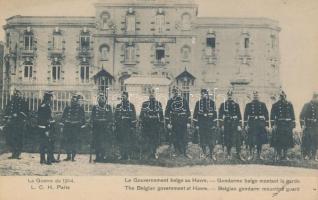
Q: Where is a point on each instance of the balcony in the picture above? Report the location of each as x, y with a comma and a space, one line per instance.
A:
84, 52
56, 52
27, 52
130, 62
160, 62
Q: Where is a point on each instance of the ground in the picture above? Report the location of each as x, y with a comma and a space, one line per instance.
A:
29, 165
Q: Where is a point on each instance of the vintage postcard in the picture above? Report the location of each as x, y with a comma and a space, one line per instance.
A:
161, 99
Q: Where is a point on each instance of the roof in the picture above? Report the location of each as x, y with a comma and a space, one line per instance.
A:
147, 80
103, 72
185, 73
146, 3
236, 22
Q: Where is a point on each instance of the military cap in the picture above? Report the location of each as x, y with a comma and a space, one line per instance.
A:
282, 94
124, 93
229, 92
48, 94
204, 91
101, 95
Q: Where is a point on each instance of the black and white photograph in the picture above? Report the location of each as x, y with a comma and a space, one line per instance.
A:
158, 88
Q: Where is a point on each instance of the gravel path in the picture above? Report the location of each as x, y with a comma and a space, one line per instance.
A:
29, 165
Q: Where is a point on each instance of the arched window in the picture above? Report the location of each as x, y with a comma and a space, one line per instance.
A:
105, 16
28, 70
186, 21
104, 50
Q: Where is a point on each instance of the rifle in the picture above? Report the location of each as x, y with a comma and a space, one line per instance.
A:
60, 140
91, 144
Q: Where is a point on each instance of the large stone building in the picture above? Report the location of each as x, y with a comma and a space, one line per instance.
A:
135, 44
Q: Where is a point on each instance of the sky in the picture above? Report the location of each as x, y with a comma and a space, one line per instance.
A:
297, 19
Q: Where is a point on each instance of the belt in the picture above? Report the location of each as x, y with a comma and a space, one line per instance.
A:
123, 117
286, 119
231, 117
312, 120
101, 120
206, 114
73, 122
152, 117
257, 117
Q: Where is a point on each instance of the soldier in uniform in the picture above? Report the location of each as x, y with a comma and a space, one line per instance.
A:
309, 124
16, 113
125, 123
45, 124
205, 121
73, 120
151, 120
178, 119
230, 120
102, 126
282, 123
256, 121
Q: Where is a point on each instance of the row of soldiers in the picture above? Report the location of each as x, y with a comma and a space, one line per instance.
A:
108, 125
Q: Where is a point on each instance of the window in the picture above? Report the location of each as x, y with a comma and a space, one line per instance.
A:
104, 20
160, 55
84, 74
56, 71
246, 42
28, 41
130, 20
160, 21
210, 42
104, 49
273, 41
130, 53
186, 21
84, 41
28, 70
57, 41
8, 39
185, 52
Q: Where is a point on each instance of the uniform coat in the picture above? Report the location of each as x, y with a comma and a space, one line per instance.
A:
205, 117
177, 113
256, 117
230, 117
283, 117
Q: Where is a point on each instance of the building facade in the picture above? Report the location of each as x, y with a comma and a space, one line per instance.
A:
136, 44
